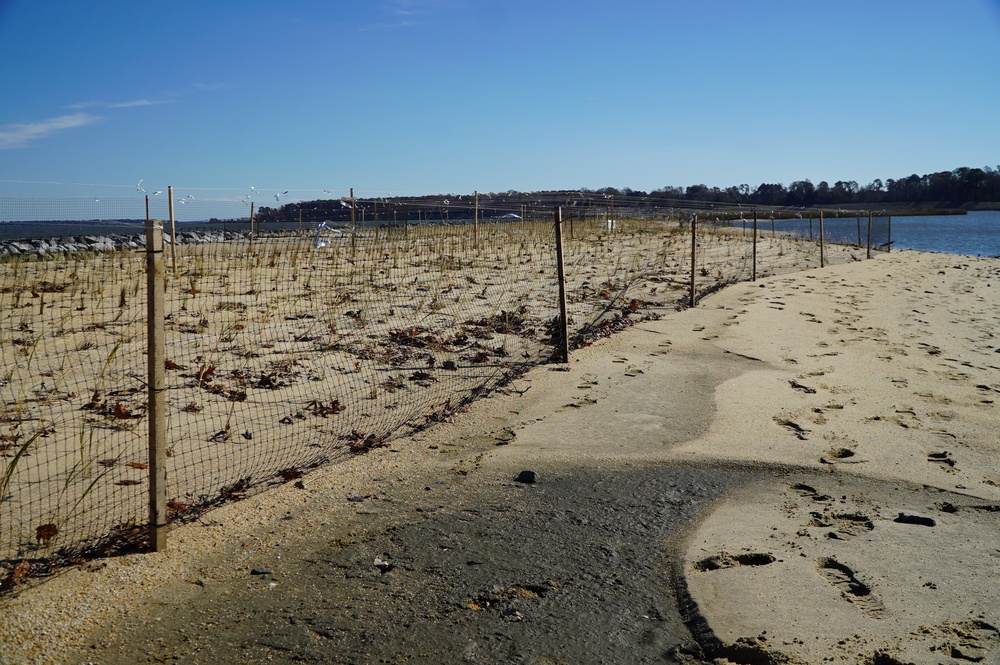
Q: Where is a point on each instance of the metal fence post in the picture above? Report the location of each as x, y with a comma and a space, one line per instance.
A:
156, 411
563, 349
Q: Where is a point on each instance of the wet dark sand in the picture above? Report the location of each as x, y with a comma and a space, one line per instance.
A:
571, 569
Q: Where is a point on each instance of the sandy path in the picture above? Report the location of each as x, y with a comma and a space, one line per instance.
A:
886, 371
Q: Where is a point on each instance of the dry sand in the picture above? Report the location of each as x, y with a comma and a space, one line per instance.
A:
853, 409
281, 356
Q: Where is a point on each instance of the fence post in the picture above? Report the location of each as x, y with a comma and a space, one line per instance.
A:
694, 246
563, 349
354, 231
888, 238
869, 252
156, 380
173, 233
822, 249
475, 221
753, 271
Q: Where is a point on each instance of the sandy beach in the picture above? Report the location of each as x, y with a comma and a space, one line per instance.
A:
800, 469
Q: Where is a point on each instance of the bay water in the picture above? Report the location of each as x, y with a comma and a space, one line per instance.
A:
973, 234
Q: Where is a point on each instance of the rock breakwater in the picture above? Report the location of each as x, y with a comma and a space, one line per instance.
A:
105, 243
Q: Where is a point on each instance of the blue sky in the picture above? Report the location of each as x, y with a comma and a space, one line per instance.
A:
438, 96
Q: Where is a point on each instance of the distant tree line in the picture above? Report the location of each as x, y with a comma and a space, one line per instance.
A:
953, 188
950, 189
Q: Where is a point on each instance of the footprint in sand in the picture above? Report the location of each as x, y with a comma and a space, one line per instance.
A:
839, 455
800, 432
579, 403
804, 388
946, 415
851, 588
973, 640
942, 457
843, 526
810, 492
726, 560
954, 375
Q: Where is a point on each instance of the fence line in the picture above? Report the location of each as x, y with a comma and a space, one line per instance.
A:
292, 345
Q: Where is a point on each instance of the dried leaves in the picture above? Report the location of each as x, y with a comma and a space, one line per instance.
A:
358, 442
289, 474
320, 409
45, 533
18, 575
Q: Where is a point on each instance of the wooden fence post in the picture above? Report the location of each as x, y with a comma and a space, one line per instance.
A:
822, 249
888, 238
475, 222
869, 253
563, 350
694, 247
156, 380
173, 232
753, 271
354, 231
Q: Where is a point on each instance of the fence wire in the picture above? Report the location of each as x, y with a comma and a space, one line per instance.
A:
293, 343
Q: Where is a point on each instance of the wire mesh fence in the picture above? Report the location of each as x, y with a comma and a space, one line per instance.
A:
293, 342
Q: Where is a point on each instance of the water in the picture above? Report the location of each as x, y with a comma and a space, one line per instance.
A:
974, 234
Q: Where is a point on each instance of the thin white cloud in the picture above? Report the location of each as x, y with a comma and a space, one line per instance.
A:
213, 86
134, 103
391, 26
117, 105
410, 13
20, 134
